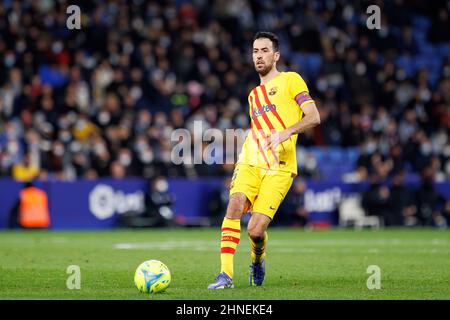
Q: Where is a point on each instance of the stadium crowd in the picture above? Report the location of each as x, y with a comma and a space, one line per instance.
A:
104, 100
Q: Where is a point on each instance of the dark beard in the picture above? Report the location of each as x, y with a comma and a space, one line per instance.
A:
264, 71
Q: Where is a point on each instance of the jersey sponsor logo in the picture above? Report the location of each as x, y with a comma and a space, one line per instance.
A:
270, 207
257, 112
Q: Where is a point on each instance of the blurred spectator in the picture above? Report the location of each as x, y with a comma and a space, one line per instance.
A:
159, 202
401, 202
446, 213
218, 201
292, 211
25, 170
375, 200
429, 202
117, 170
31, 210
440, 23
137, 70
158, 212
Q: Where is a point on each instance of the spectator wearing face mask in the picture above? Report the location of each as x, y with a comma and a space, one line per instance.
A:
158, 211
104, 82
159, 202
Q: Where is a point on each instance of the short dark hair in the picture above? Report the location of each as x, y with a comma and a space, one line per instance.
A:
269, 35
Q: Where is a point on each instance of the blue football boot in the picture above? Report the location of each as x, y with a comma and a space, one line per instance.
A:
257, 273
222, 281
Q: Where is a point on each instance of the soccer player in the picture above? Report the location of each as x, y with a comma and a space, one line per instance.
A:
280, 108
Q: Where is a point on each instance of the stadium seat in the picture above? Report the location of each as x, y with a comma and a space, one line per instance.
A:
310, 63
420, 22
427, 49
443, 49
352, 214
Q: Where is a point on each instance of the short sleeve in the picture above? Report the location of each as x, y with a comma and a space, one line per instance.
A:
296, 84
298, 90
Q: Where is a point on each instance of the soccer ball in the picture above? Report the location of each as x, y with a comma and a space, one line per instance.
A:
152, 276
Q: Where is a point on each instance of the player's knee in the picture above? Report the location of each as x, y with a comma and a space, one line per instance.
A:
256, 233
235, 208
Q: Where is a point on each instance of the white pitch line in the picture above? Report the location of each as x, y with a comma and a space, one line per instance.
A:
286, 243
366, 242
283, 246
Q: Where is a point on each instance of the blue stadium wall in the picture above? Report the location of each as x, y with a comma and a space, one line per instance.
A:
97, 204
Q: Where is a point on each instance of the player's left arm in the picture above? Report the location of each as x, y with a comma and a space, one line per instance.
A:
311, 118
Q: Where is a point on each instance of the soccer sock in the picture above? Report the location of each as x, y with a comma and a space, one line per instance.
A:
259, 249
231, 234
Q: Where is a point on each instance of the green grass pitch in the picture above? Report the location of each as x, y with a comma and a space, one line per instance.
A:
415, 264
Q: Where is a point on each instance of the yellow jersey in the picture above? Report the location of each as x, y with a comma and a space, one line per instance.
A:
273, 107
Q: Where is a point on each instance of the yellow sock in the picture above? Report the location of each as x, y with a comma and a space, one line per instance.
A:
231, 234
259, 249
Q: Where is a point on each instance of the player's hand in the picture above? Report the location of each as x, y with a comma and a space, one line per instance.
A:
274, 140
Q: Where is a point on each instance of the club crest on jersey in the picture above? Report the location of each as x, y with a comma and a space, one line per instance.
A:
272, 91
